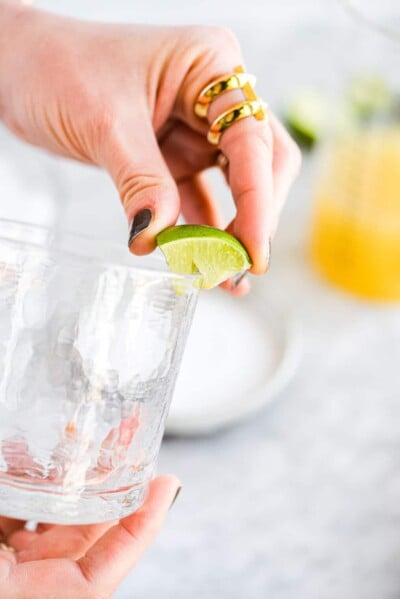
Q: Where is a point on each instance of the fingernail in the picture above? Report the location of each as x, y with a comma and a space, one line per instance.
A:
269, 252
140, 222
237, 279
179, 489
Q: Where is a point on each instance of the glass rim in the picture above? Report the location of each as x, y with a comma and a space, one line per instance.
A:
160, 269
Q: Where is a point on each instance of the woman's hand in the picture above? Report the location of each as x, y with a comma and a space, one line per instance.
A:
80, 562
122, 97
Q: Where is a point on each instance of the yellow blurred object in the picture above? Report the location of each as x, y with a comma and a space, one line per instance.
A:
356, 230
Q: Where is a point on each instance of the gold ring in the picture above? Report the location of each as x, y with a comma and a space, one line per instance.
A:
239, 79
256, 108
5, 547
222, 161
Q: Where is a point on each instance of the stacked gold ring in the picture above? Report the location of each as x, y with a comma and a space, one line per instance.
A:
251, 106
256, 108
220, 86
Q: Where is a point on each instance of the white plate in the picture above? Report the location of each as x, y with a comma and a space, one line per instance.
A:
240, 354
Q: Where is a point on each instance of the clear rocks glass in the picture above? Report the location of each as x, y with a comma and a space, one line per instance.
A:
91, 340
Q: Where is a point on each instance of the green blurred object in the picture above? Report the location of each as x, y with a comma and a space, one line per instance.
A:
310, 114
370, 96
306, 117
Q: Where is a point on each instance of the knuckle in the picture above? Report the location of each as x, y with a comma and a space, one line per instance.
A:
91, 132
212, 51
105, 124
214, 38
264, 136
89, 588
135, 187
225, 37
195, 36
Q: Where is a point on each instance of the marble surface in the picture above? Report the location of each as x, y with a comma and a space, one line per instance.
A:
302, 501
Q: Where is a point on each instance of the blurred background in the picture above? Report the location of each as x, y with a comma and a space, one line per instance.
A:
291, 487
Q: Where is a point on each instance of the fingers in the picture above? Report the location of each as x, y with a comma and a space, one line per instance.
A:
239, 285
115, 554
237, 289
13, 533
216, 52
198, 204
248, 145
7, 557
60, 542
21, 539
148, 192
187, 152
261, 186
8, 526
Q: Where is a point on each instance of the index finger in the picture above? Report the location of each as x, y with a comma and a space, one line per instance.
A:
113, 556
248, 146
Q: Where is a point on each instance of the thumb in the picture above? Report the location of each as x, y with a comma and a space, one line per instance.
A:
147, 190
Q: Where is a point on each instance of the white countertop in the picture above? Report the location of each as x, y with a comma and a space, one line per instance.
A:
303, 501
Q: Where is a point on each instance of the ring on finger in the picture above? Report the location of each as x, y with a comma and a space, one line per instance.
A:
222, 161
239, 79
242, 110
251, 106
5, 547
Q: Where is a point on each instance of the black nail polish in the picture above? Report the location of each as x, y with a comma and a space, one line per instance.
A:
140, 222
237, 279
179, 489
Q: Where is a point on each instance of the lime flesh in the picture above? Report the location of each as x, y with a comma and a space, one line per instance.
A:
213, 253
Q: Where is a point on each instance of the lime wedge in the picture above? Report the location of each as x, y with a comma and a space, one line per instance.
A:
215, 254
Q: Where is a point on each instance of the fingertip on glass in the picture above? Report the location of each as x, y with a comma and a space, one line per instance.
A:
237, 279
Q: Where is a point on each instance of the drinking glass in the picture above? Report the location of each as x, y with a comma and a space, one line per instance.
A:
91, 339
